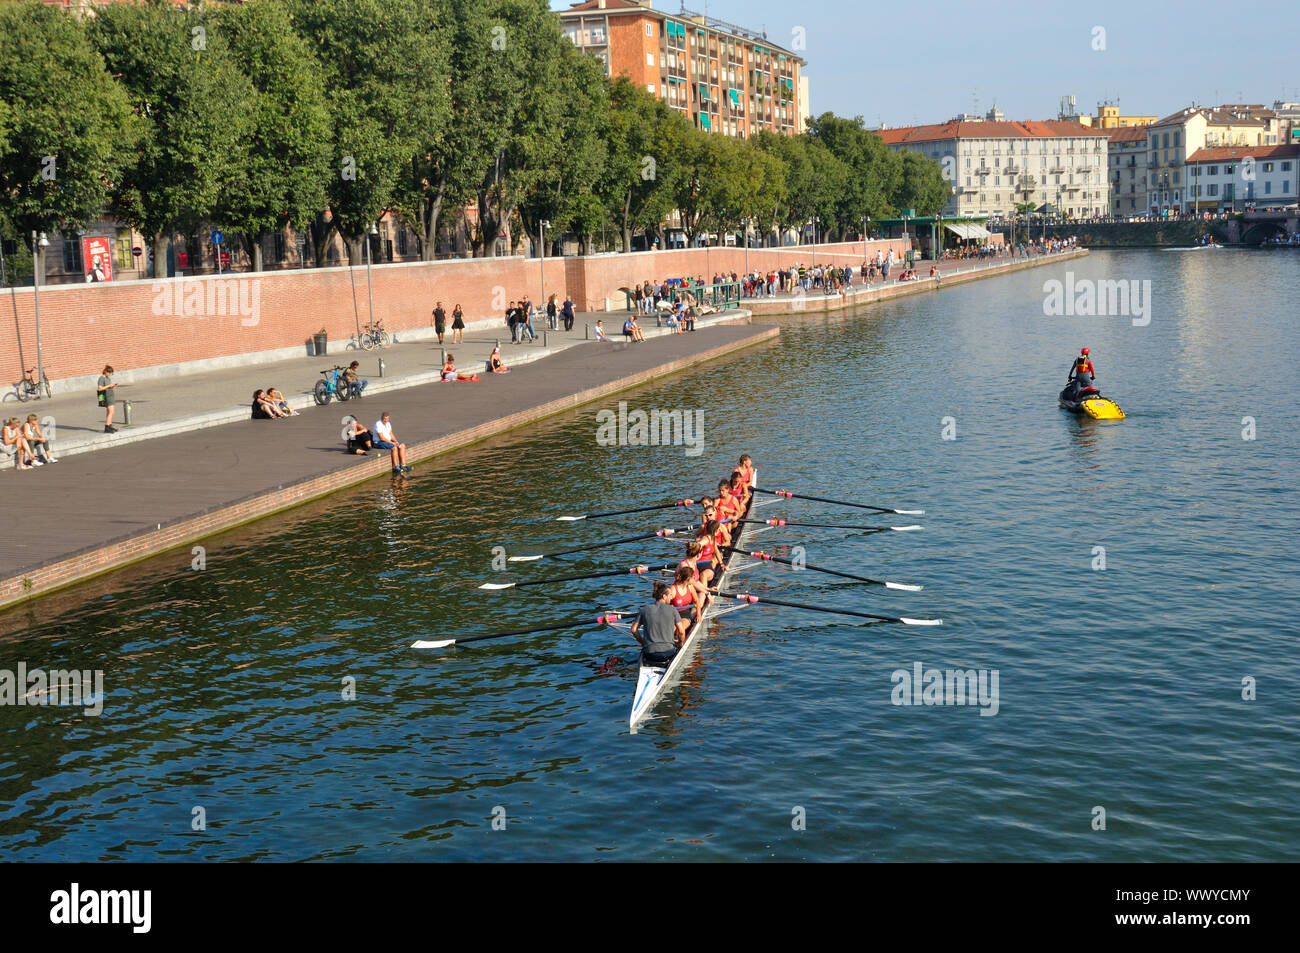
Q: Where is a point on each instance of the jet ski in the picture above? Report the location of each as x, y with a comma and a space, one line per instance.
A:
1087, 400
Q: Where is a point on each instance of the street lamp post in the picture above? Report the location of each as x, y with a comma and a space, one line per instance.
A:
38, 241
543, 225
815, 220
370, 291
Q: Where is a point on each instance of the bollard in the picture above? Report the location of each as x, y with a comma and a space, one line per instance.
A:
126, 412
586, 331
444, 356
546, 339
381, 367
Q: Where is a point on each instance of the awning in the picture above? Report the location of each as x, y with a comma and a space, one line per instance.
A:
957, 229
978, 231
704, 121
735, 97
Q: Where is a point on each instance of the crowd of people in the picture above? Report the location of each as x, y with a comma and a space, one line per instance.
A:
521, 314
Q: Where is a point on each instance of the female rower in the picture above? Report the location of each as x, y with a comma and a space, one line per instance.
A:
692, 567
699, 559
683, 597
746, 468
739, 491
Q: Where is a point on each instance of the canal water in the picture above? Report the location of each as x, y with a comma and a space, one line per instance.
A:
1157, 695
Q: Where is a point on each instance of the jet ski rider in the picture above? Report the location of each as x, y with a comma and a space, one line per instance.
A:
1081, 373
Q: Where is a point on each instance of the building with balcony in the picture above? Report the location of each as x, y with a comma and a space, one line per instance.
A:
1108, 117
994, 165
1240, 177
1126, 165
722, 77
1174, 139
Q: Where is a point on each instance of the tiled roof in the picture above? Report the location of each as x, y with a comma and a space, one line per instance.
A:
1228, 153
1030, 129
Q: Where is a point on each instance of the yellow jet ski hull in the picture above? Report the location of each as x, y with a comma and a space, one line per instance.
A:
1101, 408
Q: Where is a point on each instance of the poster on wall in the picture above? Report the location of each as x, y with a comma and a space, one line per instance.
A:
96, 259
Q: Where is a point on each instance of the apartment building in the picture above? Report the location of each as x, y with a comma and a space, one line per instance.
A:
994, 165
724, 78
1126, 151
1237, 177
1108, 117
1175, 138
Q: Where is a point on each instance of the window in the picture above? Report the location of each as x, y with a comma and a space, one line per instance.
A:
279, 246
1268, 167
1286, 166
650, 87
1212, 170
125, 258
1166, 140
649, 29
72, 256
1212, 188
649, 59
1176, 140
1268, 187
1286, 186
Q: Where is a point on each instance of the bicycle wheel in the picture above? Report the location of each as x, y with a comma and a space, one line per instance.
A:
24, 394
367, 342
385, 339
321, 393
342, 390
45, 384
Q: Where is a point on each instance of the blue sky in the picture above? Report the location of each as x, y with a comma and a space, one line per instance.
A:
909, 63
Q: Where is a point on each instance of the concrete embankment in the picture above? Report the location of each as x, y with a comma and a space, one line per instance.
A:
104, 510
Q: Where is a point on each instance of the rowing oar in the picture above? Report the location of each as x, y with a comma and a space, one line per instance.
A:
582, 549
759, 554
639, 509
574, 624
874, 529
635, 570
745, 597
818, 499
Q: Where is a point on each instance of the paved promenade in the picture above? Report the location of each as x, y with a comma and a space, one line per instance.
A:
170, 405
96, 511
951, 272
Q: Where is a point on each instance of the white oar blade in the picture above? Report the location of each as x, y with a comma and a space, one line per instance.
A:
921, 621
569, 519
910, 512
439, 644
905, 529
889, 585
497, 585
522, 559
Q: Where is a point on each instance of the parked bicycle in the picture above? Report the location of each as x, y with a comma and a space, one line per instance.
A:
332, 386
27, 388
375, 336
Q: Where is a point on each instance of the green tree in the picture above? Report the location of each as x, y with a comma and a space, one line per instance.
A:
285, 155
922, 186
639, 171
66, 128
192, 102
874, 173
384, 66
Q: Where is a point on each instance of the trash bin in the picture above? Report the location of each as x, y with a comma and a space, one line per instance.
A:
319, 344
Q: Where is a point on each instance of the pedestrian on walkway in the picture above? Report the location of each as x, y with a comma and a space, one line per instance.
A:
552, 314
385, 439
567, 311
439, 321
457, 325
104, 391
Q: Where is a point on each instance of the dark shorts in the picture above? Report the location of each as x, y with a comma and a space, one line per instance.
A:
657, 658
385, 445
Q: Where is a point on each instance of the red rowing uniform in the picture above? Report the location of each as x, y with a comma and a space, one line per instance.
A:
695, 569
681, 597
706, 550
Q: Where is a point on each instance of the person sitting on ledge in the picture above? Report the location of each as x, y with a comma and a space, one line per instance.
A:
360, 440
450, 375
264, 409
37, 442
15, 444
600, 331
495, 364
353, 378
275, 397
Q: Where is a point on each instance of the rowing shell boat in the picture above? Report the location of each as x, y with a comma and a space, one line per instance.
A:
653, 680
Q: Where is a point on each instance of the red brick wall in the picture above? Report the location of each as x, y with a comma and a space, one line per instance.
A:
84, 327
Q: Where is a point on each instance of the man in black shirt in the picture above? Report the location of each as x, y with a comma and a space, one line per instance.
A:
659, 623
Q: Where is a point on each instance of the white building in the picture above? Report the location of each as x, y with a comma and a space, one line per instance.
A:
994, 165
1239, 177
1126, 152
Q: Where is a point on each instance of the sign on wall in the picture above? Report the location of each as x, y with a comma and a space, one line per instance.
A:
96, 259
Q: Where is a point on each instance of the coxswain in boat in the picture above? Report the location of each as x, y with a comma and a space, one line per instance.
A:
656, 628
746, 468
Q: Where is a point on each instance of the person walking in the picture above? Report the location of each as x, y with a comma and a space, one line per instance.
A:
439, 321
457, 325
552, 314
104, 393
567, 311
